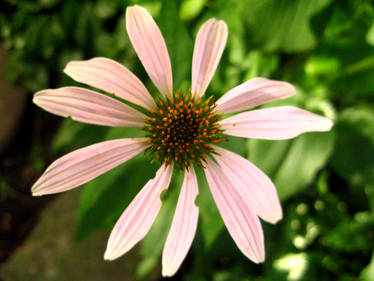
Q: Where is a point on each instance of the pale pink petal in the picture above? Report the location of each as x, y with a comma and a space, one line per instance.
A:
254, 92
150, 46
253, 185
237, 214
111, 77
210, 42
88, 106
275, 123
183, 227
82, 165
138, 217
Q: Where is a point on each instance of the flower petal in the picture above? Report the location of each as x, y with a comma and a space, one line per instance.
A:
210, 42
275, 123
82, 165
150, 46
240, 220
251, 183
111, 77
88, 106
138, 217
184, 225
252, 93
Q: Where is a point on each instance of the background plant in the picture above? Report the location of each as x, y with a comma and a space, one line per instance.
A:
325, 180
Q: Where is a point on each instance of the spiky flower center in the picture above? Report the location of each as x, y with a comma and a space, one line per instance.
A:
182, 129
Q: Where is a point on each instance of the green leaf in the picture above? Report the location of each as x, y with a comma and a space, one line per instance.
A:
106, 197
354, 150
73, 135
307, 155
210, 221
283, 24
321, 66
368, 272
370, 35
355, 78
178, 41
153, 243
233, 61
191, 8
292, 164
268, 155
235, 144
106, 8
351, 235
87, 27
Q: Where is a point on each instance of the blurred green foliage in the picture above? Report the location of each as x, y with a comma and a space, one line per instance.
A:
325, 180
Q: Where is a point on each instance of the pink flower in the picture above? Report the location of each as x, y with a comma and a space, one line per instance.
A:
182, 130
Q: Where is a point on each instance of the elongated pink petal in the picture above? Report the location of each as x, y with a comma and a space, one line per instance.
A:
240, 220
210, 42
111, 77
150, 46
253, 185
183, 227
139, 216
275, 123
82, 165
88, 106
254, 92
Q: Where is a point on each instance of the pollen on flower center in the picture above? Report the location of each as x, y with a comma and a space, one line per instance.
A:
182, 129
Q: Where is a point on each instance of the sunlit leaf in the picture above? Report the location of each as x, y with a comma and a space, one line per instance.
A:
191, 8
370, 35
292, 164
368, 272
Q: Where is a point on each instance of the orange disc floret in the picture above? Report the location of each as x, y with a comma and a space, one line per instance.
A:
190, 122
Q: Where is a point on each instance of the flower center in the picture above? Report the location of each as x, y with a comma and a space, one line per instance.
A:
181, 129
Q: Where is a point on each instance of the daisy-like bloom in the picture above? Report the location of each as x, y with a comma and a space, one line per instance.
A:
182, 130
